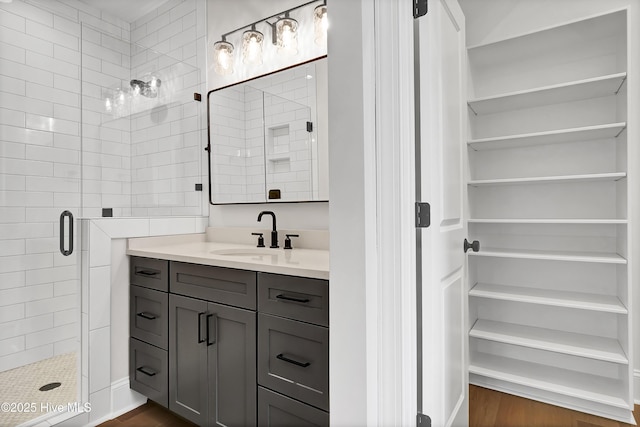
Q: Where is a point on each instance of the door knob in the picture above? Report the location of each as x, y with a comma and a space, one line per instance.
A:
475, 245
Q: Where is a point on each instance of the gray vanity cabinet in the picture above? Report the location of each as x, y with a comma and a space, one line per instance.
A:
228, 347
212, 363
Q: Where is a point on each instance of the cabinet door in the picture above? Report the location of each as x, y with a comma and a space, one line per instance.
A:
231, 343
188, 358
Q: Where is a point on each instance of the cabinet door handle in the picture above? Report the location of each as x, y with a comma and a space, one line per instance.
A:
147, 273
294, 299
295, 362
146, 371
213, 329
146, 316
200, 340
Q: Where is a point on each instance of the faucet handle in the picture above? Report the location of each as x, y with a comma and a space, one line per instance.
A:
287, 240
260, 239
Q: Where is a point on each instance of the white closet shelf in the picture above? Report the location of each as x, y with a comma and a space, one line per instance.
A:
580, 385
592, 257
614, 176
567, 221
581, 134
550, 297
568, 32
574, 344
554, 94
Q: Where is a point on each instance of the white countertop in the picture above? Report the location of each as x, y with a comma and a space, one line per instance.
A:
196, 249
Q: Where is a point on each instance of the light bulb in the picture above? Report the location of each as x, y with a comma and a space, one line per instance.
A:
287, 35
252, 47
223, 57
321, 24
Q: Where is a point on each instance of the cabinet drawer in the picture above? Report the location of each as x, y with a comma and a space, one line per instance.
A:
276, 410
150, 273
148, 316
148, 371
297, 298
224, 285
293, 359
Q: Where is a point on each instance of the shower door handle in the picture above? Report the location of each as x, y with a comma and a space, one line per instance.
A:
63, 251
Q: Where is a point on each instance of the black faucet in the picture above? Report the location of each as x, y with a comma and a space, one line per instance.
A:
274, 232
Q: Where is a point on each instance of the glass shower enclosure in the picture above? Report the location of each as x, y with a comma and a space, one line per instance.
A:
91, 125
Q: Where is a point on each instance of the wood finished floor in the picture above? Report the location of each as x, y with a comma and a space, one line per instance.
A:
148, 415
487, 408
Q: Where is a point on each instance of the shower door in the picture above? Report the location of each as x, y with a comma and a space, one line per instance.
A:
40, 154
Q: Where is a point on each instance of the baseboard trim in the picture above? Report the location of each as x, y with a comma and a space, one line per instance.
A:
123, 399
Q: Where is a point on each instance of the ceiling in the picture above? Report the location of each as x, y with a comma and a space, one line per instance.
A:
127, 10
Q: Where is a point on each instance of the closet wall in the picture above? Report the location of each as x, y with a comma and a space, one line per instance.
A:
552, 166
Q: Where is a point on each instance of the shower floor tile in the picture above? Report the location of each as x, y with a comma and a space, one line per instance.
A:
21, 398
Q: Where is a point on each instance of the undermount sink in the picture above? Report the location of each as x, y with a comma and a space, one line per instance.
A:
245, 252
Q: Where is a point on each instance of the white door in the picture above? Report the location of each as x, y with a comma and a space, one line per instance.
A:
442, 124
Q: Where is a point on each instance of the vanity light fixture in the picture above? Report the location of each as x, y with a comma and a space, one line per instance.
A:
320, 24
284, 35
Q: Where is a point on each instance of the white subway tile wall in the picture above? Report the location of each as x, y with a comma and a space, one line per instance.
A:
57, 60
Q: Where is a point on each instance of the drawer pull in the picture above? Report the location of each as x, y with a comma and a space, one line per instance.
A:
146, 371
146, 316
148, 273
294, 299
295, 362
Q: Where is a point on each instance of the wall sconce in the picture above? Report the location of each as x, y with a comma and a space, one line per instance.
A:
284, 35
321, 24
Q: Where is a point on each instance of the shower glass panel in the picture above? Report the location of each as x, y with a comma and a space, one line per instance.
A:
40, 179
141, 130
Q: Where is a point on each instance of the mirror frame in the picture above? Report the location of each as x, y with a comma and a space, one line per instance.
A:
208, 147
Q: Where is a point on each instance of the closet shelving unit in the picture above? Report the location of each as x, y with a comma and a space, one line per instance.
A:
548, 197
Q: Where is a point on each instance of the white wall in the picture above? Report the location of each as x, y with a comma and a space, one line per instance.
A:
221, 19
494, 19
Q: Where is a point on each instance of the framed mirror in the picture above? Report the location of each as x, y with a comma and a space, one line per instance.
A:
268, 138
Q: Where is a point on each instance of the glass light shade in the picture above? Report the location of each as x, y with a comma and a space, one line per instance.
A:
320, 24
223, 57
252, 47
287, 35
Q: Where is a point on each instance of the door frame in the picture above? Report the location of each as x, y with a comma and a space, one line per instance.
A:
372, 347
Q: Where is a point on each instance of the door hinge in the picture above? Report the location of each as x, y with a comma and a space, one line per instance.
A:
309, 126
423, 420
419, 8
423, 215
